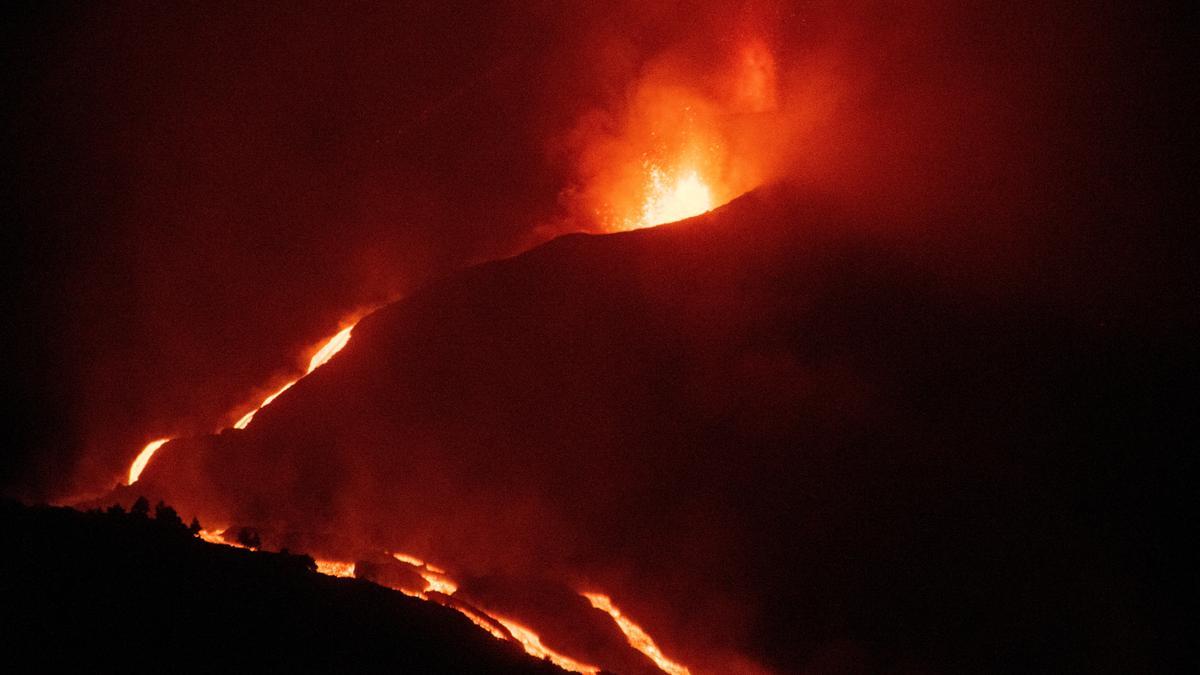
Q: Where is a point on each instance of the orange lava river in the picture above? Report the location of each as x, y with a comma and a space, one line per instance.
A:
502, 628
326, 351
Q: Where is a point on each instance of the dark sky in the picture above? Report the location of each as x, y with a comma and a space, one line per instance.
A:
196, 193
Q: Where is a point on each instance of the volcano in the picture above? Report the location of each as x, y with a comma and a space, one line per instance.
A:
672, 337
772, 438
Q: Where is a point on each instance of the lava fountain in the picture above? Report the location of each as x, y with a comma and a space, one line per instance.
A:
683, 140
674, 197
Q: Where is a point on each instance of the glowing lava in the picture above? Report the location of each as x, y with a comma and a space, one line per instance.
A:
143, 458
408, 559
667, 201
638, 639
438, 582
331, 568
327, 351
483, 623
671, 198
534, 647
332, 346
336, 569
216, 538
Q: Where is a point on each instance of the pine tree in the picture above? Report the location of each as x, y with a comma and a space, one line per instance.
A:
165, 515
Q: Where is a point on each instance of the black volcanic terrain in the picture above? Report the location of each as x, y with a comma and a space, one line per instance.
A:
774, 434
129, 593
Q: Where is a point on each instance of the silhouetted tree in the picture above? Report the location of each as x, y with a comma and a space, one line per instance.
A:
115, 510
165, 515
194, 528
141, 508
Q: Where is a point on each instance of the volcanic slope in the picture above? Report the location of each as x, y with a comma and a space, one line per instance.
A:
775, 436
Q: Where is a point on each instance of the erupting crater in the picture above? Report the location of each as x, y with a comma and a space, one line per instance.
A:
673, 196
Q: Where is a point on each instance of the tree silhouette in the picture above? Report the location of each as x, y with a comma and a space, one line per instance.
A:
194, 528
165, 515
141, 508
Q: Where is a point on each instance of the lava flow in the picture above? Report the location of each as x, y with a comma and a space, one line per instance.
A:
638, 638
332, 346
143, 458
534, 647
327, 351
438, 582
666, 201
335, 569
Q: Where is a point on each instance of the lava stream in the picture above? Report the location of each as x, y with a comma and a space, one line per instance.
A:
217, 538
534, 647
143, 458
332, 346
327, 351
411, 560
638, 638
334, 568
482, 623
439, 583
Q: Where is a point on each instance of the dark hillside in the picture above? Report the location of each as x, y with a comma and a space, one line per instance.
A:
129, 593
